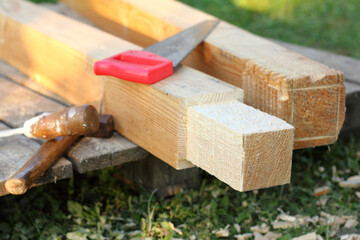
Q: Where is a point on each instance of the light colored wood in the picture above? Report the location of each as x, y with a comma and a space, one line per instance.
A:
59, 53
275, 80
236, 139
16, 150
348, 65
351, 69
11, 73
91, 154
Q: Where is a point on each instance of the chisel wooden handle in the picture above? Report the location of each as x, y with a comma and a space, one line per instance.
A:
47, 154
72, 121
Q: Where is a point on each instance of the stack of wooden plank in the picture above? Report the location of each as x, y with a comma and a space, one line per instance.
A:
191, 118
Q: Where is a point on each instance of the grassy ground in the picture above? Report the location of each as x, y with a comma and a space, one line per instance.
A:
97, 206
332, 25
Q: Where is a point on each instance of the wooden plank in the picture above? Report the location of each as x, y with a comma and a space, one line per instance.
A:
57, 52
109, 152
91, 154
19, 104
16, 150
348, 65
11, 73
274, 79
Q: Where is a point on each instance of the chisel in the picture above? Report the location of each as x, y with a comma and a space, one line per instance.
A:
72, 121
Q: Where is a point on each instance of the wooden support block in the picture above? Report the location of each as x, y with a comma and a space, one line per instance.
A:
275, 80
153, 174
58, 53
16, 150
91, 154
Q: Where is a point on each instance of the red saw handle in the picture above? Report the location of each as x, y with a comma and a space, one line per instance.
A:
135, 66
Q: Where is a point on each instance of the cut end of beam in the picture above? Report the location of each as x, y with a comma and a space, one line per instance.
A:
242, 146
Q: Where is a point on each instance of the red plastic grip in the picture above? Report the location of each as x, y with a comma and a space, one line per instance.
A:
135, 66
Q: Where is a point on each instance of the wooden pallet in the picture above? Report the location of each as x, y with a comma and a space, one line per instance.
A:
20, 99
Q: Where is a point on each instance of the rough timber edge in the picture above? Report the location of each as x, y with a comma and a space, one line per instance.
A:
169, 25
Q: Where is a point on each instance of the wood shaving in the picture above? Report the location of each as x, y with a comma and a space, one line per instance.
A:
352, 182
243, 236
287, 218
260, 229
272, 236
357, 194
309, 236
350, 223
319, 237
322, 201
350, 237
237, 228
259, 236
282, 225
333, 233
322, 191
267, 236
222, 232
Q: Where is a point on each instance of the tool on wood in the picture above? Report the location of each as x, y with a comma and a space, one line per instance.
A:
46, 156
157, 61
72, 121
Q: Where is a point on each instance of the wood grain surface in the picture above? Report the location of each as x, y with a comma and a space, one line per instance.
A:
274, 79
155, 117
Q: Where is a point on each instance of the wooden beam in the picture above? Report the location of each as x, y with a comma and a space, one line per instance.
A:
59, 53
91, 154
351, 69
306, 94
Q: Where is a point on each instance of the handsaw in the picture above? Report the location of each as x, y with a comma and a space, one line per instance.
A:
156, 62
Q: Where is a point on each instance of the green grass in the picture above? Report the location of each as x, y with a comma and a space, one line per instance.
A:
332, 24
97, 206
